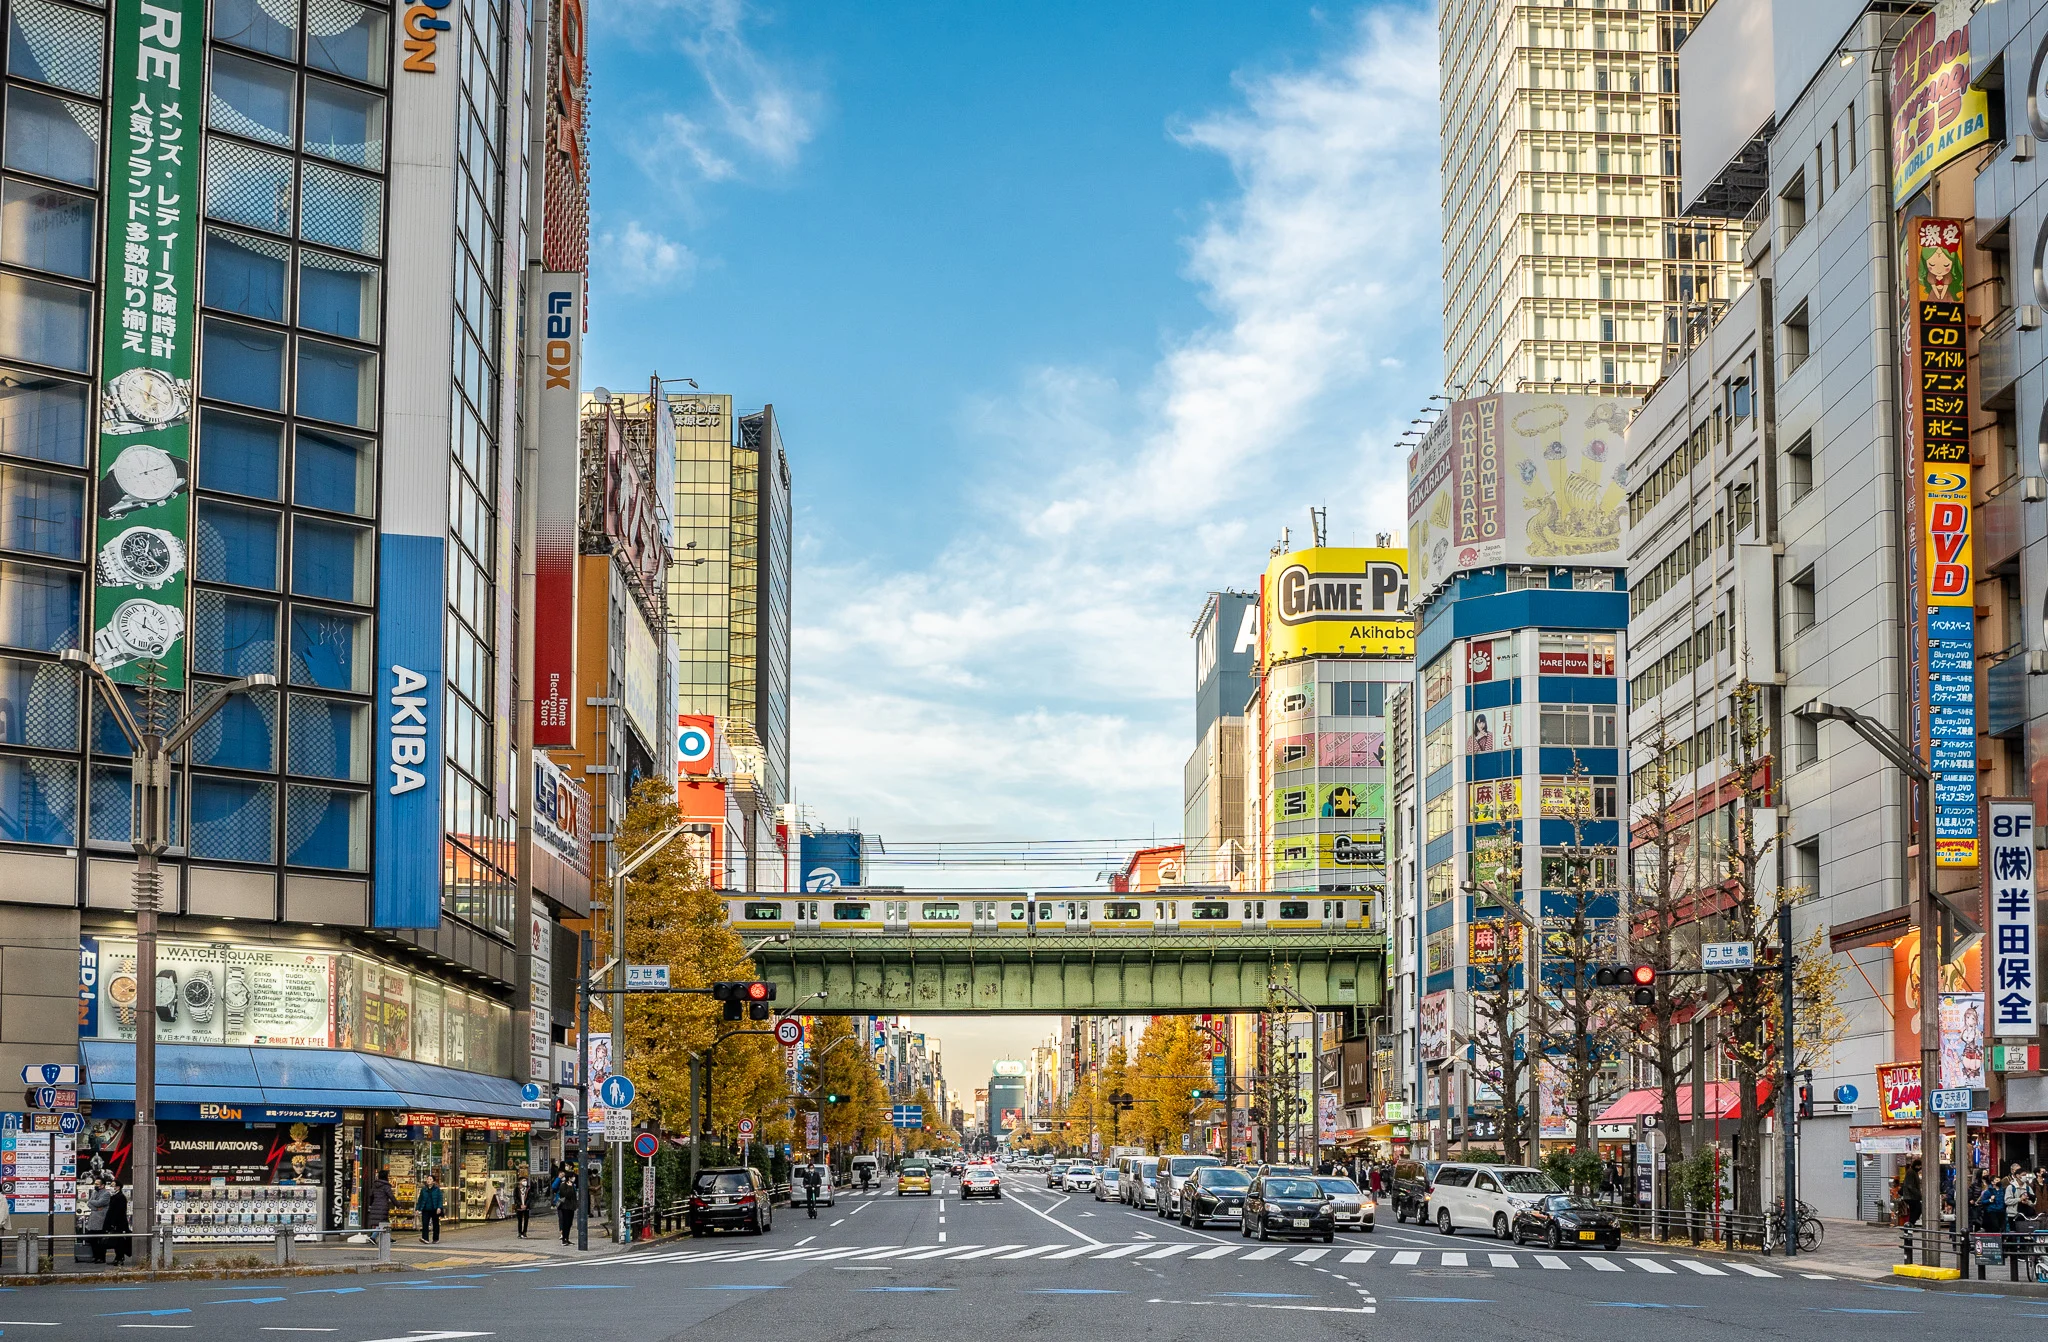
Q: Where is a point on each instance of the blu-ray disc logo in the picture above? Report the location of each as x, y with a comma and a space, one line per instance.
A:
822, 878
693, 745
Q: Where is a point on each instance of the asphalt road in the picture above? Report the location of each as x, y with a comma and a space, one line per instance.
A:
1036, 1264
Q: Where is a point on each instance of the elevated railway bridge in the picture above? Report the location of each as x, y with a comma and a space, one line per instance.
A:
873, 951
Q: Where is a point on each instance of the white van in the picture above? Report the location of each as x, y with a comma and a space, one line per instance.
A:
1485, 1197
796, 1185
867, 1170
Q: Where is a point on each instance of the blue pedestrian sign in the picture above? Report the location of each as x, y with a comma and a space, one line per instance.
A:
616, 1092
530, 1092
907, 1116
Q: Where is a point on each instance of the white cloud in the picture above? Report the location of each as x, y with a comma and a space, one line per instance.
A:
743, 115
637, 258
1033, 679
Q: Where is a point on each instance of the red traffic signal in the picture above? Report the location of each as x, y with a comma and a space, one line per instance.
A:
1643, 975
1645, 979
758, 992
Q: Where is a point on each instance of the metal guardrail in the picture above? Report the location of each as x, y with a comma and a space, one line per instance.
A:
157, 1251
2023, 1250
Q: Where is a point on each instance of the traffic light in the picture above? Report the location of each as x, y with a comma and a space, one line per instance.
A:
759, 995
1806, 1101
834, 1098
744, 999
562, 1115
1610, 976
1644, 977
1121, 1099
1198, 1093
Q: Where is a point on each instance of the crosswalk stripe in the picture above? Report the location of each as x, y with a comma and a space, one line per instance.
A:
939, 1252
1259, 1255
1407, 1258
1554, 1264
1602, 1265
1169, 1251
986, 1253
839, 1253
1074, 1252
1502, 1260
1702, 1268
1120, 1251
1217, 1252
886, 1253
1308, 1255
1454, 1260
1753, 1270
1652, 1265
1032, 1252
1359, 1256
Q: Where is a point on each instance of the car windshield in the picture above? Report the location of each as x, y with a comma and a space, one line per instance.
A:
1529, 1181
1147, 1168
1292, 1188
1564, 1202
723, 1181
1341, 1187
1214, 1178
1080, 1169
1188, 1164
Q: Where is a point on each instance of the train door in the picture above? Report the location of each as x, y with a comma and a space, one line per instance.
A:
895, 915
1077, 915
1255, 914
987, 916
1166, 915
1333, 914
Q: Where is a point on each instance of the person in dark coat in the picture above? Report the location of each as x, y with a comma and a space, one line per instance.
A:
522, 1201
429, 1204
382, 1197
114, 1229
565, 1200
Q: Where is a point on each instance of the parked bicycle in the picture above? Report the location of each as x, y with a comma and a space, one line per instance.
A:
1811, 1229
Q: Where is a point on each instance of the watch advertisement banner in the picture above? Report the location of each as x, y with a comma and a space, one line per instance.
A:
2014, 970
208, 993
142, 534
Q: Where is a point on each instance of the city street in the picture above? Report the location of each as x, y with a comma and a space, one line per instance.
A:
1038, 1263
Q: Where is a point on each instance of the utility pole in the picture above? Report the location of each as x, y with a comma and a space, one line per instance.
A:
582, 1089
1788, 1103
151, 743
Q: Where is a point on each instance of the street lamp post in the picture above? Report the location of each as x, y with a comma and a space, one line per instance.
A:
618, 1004
1916, 770
1315, 1079
152, 743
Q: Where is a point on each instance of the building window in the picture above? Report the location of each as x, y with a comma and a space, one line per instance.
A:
338, 384
52, 137
324, 827
47, 229
252, 99
331, 560
271, 29
42, 418
240, 455
38, 704
243, 364
347, 40
237, 545
1577, 725
1792, 206
338, 295
234, 819
39, 607
327, 738
330, 650
44, 323
42, 512
1436, 748
233, 635
335, 472
242, 735
1799, 603
38, 800
344, 124
1796, 339
247, 274
1438, 817
1358, 698
1560, 653
1443, 880
1799, 468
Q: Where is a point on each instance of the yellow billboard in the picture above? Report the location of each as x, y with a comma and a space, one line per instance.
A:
1936, 115
1337, 602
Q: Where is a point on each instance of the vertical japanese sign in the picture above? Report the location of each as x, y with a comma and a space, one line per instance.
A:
2013, 972
147, 331
1941, 415
558, 317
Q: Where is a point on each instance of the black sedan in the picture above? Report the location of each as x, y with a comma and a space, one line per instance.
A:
1560, 1220
730, 1199
1289, 1206
1215, 1192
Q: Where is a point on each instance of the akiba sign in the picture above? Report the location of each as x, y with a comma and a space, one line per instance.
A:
1337, 602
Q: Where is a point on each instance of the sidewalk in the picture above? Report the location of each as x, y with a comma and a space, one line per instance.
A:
466, 1244
1854, 1251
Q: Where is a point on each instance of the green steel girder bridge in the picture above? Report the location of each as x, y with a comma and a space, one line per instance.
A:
1110, 972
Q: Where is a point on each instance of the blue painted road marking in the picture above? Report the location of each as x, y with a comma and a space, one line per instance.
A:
152, 1313
259, 1300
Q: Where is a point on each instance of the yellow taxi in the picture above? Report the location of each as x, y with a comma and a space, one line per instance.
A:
914, 1178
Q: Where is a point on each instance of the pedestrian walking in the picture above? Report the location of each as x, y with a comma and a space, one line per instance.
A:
115, 1226
522, 1201
428, 1205
382, 1198
1910, 1201
1991, 1208
94, 1223
564, 1190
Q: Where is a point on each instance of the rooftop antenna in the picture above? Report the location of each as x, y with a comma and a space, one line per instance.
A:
1319, 525
1281, 548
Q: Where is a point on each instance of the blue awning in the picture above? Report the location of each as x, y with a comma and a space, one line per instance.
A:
292, 1078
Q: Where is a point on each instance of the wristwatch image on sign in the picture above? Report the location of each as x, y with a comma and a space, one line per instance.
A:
141, 399
137, 629
121, 991
199, 995
141, 557
167, 995
235, 997
142, 476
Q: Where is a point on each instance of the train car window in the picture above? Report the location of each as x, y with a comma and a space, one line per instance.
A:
1209, 910
850, 913
1016, 913
1045, 912
1294, 908
1122, 910
762, 913
942, 913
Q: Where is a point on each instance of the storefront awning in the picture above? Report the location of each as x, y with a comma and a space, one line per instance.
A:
1722, 1102
292, 1078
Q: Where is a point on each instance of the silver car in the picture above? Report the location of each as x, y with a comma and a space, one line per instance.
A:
1109, 1184
1353, 1208
1144, 1183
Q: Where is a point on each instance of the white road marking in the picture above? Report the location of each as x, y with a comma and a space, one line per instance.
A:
1753, 1271
1260, 1255
1030, 1253
1168, 1251
942, 1237
805, 1240
1120, 1251
986, 1253
935, 1253
1407, 1258
1502, 1260
1308, 1255
1454, 1260
1703, 1269
1652, 1265
1359, 1256
1217, 1252
1076, 1251
842, 1220
1554, 1264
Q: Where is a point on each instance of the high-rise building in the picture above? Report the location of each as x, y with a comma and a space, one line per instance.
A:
1226, 638
272, 424
729, 593
1566, 259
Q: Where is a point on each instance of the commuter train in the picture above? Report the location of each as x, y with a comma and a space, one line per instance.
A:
913, 911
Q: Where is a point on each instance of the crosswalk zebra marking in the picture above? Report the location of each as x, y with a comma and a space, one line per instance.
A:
1120, 1251
1359, 1256
986, 1253
1308, 1255
1553, 1263
1407, 1258
1032, 1252
1703, 1269
1260, 1255
1168, 1251
1602, 1264
1502, 1260
1218, 1252
1652, 1265
1754, 1271
1454, 1260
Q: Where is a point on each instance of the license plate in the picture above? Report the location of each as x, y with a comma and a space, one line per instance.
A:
1301, 1221
1588, 1234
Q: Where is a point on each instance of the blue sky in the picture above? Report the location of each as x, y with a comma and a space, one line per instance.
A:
1067, 310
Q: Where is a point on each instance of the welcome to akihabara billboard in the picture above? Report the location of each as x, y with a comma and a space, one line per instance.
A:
1332, 601
1518, 479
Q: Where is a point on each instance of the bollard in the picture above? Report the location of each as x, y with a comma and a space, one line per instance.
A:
383, 1244
160, 1249
282, 1245
25, 1260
